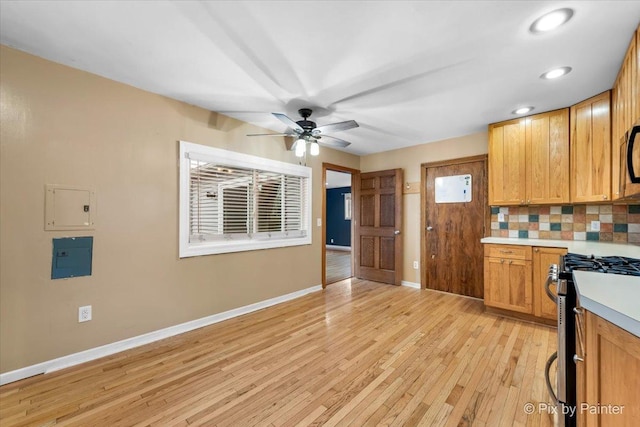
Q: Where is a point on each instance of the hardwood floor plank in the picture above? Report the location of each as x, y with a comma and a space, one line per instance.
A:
338, 265
358, 353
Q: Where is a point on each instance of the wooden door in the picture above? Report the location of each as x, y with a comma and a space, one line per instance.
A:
507, 163
548, 157
591, 150
378, 216
452, 252
542, 259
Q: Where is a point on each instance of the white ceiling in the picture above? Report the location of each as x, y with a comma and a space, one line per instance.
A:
407, 72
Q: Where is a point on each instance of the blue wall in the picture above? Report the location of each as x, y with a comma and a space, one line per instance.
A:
338, 228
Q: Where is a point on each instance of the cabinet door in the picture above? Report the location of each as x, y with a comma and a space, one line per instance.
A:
548, 157
635, 77
617, 133
591, 149
542, 259
625, 113
581, 368
612, 372
507, 161
508, 284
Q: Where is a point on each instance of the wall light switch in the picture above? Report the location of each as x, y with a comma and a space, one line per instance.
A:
319, 222
500, 217
595, 225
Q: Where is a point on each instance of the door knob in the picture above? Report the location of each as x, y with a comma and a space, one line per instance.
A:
396, 232
429, 228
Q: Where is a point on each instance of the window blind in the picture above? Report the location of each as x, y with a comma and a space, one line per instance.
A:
235, 203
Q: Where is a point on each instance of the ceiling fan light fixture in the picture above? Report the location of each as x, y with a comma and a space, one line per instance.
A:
301, 147
555, 73
314, 149
522, 110
551, 21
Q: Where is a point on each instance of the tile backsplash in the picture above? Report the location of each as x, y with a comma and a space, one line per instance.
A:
618, 223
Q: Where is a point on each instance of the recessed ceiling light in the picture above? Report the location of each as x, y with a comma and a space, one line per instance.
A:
523, 110
555, 73
551, 20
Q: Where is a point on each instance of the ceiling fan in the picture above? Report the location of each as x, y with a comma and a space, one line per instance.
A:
306, 132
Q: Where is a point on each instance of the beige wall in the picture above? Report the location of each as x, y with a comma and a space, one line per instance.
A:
410, 160
64, 126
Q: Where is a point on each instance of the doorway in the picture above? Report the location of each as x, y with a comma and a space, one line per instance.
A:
453, 220
337, 232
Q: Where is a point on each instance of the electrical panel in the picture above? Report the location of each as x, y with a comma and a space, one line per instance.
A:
69, 208
72, 257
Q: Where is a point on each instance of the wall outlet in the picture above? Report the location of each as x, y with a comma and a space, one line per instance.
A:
331, 240
84, 313
319, 222
595, 225
415, 265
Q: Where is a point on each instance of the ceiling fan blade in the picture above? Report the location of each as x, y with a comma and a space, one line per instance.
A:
271, 134
335, 127
332, 141
287, 121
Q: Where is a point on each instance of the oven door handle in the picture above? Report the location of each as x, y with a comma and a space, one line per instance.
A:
547, 289
547, 368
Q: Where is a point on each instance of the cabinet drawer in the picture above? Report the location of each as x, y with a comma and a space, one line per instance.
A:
507, 251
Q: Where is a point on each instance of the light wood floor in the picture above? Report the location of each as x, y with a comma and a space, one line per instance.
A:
355, 354
338, 265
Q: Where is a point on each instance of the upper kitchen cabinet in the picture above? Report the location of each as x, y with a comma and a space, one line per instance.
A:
529, 160
548, 158
626, 113
507, 163
591, 149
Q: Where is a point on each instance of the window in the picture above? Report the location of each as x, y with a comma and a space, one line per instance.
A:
231, 202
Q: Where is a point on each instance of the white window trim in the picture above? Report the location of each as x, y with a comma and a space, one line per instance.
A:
189, 151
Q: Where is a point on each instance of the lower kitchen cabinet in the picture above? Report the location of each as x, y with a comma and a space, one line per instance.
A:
507, 278
608, 388
514, 280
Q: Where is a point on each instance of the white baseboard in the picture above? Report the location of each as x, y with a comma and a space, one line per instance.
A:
339, 248
410, 284
126, 344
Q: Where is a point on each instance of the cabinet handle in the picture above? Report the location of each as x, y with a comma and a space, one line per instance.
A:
536, 250
522, 202
501, 261
502, 251
579, 316
604, 197
577, 358
529, 201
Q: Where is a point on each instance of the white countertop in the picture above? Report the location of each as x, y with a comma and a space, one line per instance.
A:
613, 297
573, 246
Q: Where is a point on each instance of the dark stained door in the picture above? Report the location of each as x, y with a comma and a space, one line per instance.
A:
453, 254
378, 216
